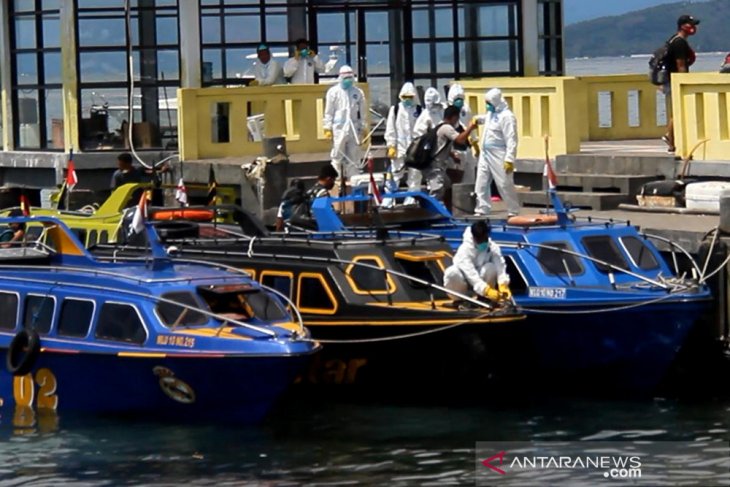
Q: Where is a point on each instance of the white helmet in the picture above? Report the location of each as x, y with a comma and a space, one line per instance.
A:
432, 97
494, 97
346, 72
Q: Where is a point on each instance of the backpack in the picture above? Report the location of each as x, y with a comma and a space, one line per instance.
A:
658, 72
422, 150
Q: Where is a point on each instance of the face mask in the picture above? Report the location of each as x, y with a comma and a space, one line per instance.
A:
407, 102
483, 247
458, 103
490, 108
346, 83
304, 52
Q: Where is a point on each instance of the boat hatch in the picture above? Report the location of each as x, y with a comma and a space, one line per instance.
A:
243, 302
423, 265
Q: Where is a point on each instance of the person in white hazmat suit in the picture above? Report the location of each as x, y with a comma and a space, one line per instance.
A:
344, 122
478, 266
430, 117
398, 136
497, 159
467, 153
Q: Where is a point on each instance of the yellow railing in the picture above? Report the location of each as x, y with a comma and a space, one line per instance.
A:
212, 122
701, 107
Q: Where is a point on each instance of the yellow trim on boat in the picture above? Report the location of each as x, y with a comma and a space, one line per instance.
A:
327, 289
417, 255
411, 322
212, 332
142, 354
391, 287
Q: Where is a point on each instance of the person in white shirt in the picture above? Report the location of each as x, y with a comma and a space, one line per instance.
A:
267, 71
467, 155
398, 136
301, 67
344, 121
497, 160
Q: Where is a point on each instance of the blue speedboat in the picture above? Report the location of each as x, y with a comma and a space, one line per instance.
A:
599, 297
149, 339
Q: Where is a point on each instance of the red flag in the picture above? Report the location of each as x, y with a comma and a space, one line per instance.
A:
24, 205
373, 185
71, 178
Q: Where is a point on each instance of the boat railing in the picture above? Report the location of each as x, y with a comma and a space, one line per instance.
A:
143, 295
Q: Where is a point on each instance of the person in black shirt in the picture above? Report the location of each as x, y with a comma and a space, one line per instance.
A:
680, 57
129, 173
295, 204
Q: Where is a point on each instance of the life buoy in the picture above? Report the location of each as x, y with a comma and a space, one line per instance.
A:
23, 352
525, 220
184, 214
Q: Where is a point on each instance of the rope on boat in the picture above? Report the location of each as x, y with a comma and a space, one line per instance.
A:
398, 337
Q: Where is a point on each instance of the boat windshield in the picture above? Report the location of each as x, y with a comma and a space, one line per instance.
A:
172, 315
243, 303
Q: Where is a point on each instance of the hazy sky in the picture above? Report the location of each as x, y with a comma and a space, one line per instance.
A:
577, 10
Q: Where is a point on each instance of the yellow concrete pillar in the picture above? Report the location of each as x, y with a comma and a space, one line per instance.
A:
69, 76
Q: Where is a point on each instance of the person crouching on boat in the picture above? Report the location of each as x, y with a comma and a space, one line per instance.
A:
15, 234
479, 266
295, 203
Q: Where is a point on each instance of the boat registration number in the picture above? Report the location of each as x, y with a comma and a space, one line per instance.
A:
547, 292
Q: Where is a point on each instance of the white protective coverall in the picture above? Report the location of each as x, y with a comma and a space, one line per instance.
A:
431, 115
344, 116
301, 70
474, 270
499, 145
468, 161
399, 134
268, 74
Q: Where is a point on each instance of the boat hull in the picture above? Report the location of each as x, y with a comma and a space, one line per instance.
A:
234, 388
623, 350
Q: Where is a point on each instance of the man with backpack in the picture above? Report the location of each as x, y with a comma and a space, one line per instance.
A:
398, 136
678, 57
440, 141
296, 202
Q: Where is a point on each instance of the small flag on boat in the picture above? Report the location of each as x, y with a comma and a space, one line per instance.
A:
71, 178
140, 214
24, 204
548, 171
212, 187
181, 193
374, 185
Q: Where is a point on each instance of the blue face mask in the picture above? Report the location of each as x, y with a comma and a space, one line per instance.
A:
458, 103
346, 83
490, 108
483, 247
407, 102
304, 52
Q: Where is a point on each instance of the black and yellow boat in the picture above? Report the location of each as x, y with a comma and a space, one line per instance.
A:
376, 305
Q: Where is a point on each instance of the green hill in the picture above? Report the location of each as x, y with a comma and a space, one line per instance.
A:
642, 31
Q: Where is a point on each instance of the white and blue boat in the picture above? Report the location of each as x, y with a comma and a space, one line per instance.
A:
148, 339
599, 297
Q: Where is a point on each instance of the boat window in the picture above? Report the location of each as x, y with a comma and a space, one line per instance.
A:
517, 283
281, 281
92, 239
8, 311
39, 313
315, 296
120, 322
80, 234
172, 315
75, 318
368, 280
553, 261
426, 270
244, 304
104, 237
604, 248
640, 254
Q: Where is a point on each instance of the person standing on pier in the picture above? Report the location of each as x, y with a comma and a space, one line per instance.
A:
267, 71
478, 266
398, 136
467, 153
344, 122
680, 56
497, 159
430, 116
300, 68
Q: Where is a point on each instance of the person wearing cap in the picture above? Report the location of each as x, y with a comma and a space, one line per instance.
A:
467, 153
267, 70
680, 56
300, 68
497, 158
398, 136
344, 122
